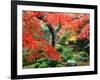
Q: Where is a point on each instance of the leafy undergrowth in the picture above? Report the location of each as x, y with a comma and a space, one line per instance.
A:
68, 55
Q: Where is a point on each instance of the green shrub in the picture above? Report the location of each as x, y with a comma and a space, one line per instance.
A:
41, 60
43, 65
83, 54
59, 65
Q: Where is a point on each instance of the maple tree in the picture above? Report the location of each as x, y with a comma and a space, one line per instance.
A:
33, 38
84, 34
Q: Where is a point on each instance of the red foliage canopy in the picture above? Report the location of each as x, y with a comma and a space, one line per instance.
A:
33, 38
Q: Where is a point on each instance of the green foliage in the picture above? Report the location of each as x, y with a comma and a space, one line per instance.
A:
84, 56
59, 65
63, 40
41, 60
25, 54
67, 53
59, 47
76, 57
69, 56
53, 63
35, 65
43, 65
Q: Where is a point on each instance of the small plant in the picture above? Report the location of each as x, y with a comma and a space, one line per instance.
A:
67, 53
84, 56
43, 65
